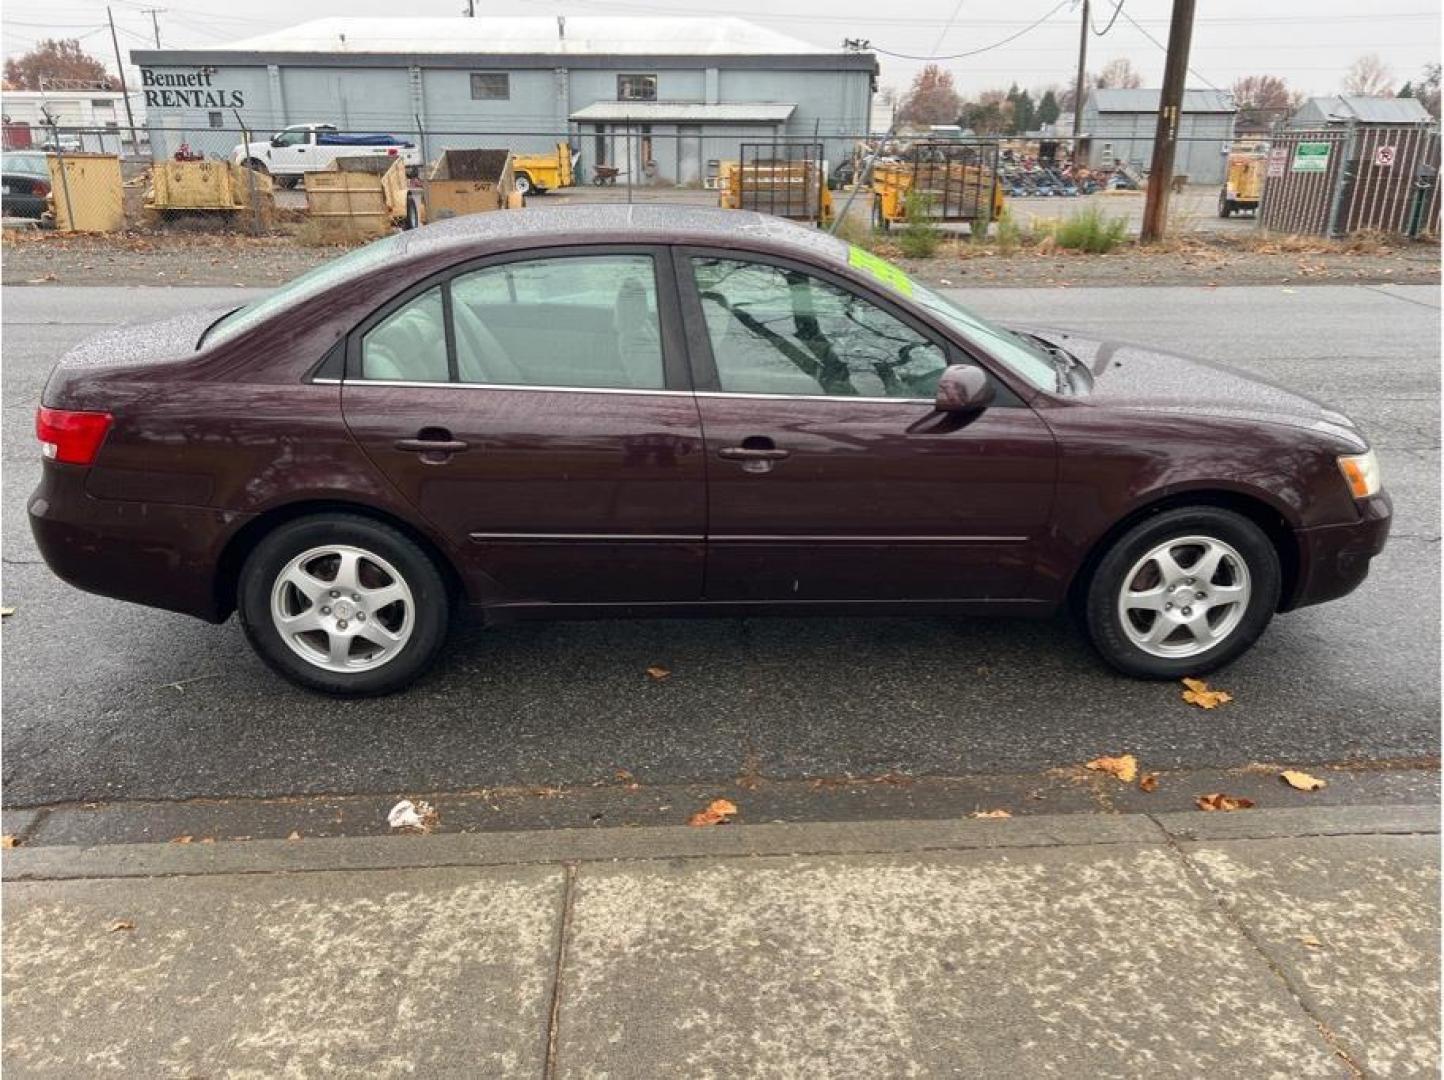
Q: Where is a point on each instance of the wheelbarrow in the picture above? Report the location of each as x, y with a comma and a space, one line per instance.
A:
605, 174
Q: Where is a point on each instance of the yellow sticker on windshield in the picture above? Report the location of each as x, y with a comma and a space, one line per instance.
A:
880, 269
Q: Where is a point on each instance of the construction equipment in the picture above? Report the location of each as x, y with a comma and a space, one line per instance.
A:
945, 181
219, 188
464, 182
1243, 183
357, 198
541, 173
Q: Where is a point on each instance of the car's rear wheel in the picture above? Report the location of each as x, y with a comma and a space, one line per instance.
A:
1183, 593
343, 604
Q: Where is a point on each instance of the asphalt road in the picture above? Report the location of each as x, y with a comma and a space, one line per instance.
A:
107, 701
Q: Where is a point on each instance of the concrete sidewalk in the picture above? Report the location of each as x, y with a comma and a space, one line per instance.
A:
1260, 943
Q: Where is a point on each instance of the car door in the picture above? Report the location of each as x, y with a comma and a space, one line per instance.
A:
535, 410
830, 474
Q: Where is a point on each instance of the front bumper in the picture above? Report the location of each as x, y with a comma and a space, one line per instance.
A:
1334, 559
157, 554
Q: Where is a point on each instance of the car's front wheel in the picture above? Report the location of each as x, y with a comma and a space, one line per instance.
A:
343, 604
1183, 593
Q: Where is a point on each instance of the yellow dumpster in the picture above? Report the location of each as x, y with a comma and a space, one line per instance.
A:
222, 187
463, 182
86, 193
357, 197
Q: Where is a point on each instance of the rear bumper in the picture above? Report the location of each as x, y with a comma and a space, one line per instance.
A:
1334, 559
156, 554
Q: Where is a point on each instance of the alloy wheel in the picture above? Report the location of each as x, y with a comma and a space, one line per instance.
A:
1184, 597
342, 608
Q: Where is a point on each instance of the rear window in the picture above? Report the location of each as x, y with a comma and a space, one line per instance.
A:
311, 283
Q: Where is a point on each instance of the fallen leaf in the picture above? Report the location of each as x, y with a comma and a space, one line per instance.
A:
1198, 693
294, 835
7, 841
1311, 941
657, 674
1219, 801
718, 812
414, 817
1124, 767
181, 839
1302, 780
1148, 782
990, 814
121, 924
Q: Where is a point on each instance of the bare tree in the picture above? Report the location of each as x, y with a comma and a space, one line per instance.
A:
931, 99
1261, 92
1119, 74
1368, 77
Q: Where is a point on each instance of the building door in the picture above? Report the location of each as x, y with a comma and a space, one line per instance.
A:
689, 154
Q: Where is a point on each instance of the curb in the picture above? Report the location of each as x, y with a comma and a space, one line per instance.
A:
681, 842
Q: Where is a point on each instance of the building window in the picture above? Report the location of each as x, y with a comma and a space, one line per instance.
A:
217, 119
636, 88
490, 86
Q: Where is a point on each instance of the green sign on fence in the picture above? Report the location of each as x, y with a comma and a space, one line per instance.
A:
1311, 157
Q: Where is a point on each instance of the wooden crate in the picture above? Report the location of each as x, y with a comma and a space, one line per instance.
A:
89, 197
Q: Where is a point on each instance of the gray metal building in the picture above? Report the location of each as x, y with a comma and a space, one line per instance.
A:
663, 98
1119, 125
1340, 109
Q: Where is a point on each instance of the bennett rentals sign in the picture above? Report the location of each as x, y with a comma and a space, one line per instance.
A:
187, 89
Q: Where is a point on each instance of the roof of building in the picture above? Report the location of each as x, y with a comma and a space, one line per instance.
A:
586, 35
1370, 110
683, 112
1107, 99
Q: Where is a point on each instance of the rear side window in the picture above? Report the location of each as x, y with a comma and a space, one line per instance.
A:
586, 321
409, 345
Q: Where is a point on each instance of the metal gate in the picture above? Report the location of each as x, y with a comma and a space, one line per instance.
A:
787, 179
956, 179
1334, 181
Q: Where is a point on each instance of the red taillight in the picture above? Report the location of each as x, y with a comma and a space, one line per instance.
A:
39, 187
392, 152
71, 437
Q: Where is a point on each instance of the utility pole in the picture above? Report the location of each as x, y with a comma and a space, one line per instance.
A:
154, 22
1170, 108
1078, 90
124, 93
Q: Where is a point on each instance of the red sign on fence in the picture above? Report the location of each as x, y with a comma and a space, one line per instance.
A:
1384, 157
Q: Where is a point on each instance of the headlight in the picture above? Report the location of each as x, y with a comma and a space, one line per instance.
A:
1362, 473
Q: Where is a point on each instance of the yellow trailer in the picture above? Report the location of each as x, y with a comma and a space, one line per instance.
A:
464, 182
793, 189
1243, 184
357, 198
220, 187
949, 190
541, 173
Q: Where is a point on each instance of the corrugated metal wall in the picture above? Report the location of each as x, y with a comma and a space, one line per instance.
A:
1359, 188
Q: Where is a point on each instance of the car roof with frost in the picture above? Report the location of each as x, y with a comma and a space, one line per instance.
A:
651, 223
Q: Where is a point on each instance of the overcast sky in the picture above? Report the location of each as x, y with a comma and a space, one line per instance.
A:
1310, 43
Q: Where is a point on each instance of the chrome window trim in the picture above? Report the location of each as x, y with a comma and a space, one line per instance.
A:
835, 398
841, 398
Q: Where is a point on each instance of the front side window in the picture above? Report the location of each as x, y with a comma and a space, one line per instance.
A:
776, 330
490, 86
636, 88
574, 321
409, 345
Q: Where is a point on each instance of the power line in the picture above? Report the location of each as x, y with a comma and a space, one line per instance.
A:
986, 48
1134, 23
1117, 11
947, 26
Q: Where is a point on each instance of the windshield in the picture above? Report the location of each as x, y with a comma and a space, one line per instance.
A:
309, 284
25, 164
1022, 357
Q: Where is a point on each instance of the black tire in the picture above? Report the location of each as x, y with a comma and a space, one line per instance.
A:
431, 611
1225, 208
258, 165
413, 213
1104, 622
879, 222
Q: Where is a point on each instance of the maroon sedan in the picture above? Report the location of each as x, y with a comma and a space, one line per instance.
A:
655, 410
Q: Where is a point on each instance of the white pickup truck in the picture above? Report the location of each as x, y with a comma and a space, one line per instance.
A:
301, 148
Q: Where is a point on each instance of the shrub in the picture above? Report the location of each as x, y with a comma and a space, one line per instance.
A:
1090, 230
1010, 233
919, 238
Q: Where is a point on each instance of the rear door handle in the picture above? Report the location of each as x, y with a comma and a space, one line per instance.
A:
432, 446
752, 453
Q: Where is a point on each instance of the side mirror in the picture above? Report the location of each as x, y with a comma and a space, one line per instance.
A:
276, 139
963, 388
